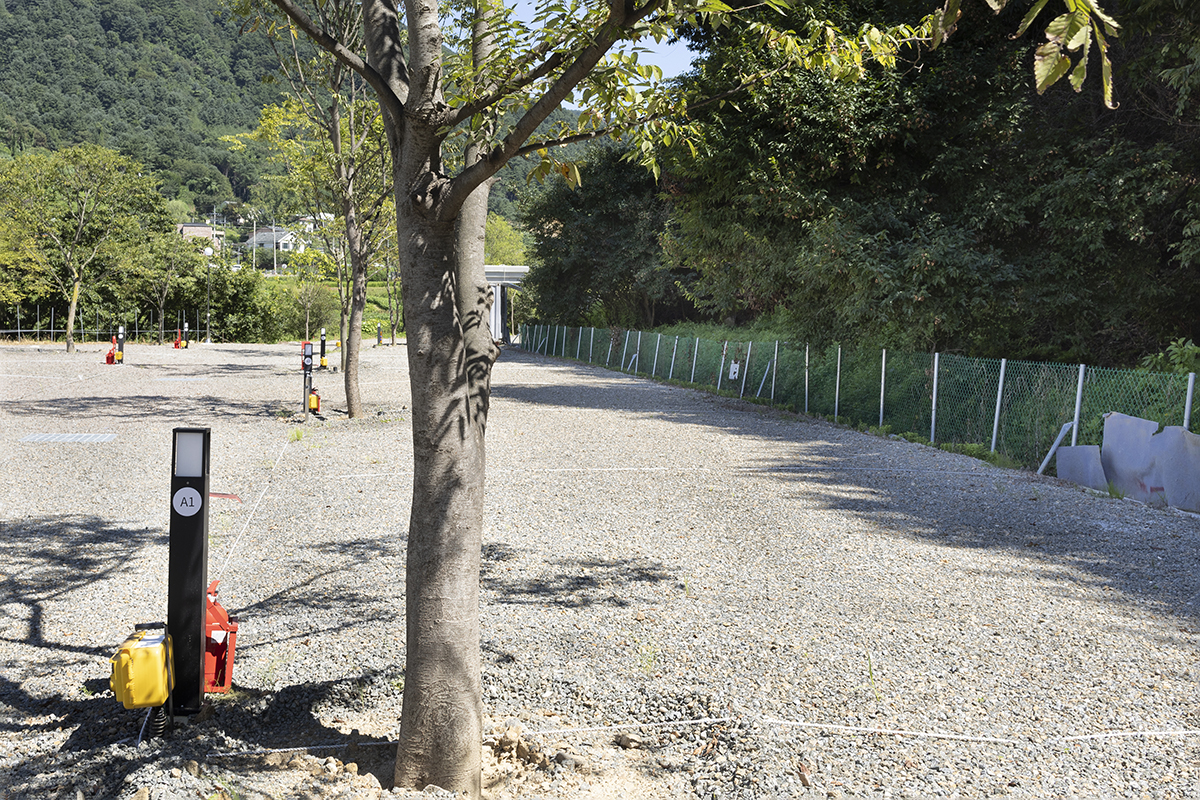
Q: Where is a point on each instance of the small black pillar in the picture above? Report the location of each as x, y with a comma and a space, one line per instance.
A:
324, 363
121, 345
306, 361
187, 565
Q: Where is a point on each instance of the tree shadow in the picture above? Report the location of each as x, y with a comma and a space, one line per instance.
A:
48, 558
143, 406
247, 719
572, 583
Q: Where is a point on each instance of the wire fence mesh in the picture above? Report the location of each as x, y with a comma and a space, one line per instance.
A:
1016, 408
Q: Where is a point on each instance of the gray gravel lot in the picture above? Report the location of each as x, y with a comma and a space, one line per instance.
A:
787, 608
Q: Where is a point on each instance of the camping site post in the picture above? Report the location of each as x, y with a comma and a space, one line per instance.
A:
187, 565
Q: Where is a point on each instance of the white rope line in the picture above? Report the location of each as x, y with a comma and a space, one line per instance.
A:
232, 548
1126, 735
638, 725
888, 731
762, 720
807, 469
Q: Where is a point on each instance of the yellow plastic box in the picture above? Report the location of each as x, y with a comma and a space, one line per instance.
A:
140, 678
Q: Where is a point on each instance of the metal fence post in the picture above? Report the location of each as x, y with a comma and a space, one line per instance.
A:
674, 348
654, 369
1187, 407
774, 370
721, 370
746, 369
999, 396
695, 353
579, 343
805, 379
882, 383
591, 343
837, 385
933, 415
1078, 407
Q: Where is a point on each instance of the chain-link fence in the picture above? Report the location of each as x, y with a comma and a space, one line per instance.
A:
1016, 408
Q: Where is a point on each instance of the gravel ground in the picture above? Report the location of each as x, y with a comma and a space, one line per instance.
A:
684, 595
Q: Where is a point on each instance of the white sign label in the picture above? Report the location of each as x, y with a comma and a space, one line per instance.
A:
187, 501
733, 370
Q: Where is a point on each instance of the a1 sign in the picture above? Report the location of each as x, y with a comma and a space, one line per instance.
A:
306, 358
187, 502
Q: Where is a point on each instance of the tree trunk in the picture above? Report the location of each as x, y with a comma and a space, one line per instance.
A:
352, 345
71, 308
441, 726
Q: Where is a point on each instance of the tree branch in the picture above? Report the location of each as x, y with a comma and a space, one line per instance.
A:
388, 97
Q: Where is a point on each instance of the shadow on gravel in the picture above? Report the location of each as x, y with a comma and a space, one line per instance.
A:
568, 582
245, 720
143, 406
990, 508
45, 559
1027, 516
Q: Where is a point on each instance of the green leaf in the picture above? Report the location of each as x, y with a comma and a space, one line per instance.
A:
1049, 65
1030, 17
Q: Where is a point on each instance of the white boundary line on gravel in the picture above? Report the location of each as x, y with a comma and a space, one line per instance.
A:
764, 470
233, 547
753, 718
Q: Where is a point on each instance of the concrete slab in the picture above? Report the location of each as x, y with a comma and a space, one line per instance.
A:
1142, 463
1082, 465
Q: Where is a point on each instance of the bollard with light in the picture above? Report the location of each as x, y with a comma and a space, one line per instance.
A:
187, 565
306, 362
324, 362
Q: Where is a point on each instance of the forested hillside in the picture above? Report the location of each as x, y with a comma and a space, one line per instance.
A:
157, 80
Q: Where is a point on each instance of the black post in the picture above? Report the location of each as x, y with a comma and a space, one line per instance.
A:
187, 565
121, 345
379, 334
306, 359
324, 363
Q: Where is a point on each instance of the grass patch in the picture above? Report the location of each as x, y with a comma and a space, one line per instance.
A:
982, 452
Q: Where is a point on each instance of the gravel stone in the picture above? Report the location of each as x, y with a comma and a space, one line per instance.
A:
769, 605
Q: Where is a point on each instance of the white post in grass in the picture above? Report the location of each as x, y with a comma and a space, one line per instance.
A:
608, 358
637, 355
624, 350
882, 383
579, 343
674, 347
1078, 407
837, 385
933, 415
591, 343
695, 353
654, 369
999, 397
746, 369
1187, 406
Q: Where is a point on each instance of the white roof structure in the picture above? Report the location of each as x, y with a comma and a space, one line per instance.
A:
505, 274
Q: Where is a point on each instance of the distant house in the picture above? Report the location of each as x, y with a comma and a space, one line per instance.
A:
202, 230
276, 239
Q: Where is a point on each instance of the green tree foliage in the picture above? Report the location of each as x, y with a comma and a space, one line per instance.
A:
942, 205
596, 252
503, 243
79, 214
157, 80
